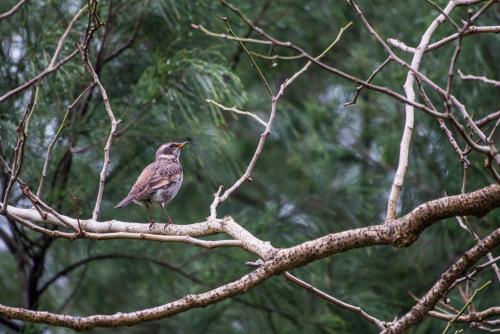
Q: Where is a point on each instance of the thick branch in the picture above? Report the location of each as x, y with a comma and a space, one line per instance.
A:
400, 233
440, 288
397, 184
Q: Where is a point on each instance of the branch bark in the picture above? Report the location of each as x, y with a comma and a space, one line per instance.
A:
13, 10
399, 233
440, 288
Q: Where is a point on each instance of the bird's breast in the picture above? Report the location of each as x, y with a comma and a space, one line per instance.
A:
166, 194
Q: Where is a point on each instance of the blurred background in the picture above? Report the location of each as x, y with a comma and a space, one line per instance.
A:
325, 167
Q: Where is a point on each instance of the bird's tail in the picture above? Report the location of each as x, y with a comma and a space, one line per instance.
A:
124, 202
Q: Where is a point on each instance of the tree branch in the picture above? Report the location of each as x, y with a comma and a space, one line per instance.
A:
479, 78
13, 10
400, 233
440, 288
356, 309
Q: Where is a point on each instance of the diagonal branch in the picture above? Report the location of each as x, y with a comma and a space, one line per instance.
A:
56, 136
237, 111
484, 79
470, 30
295, 280
53, 65
400, 233
77, 264
397, 184
13, 10
274, 103
440, 288
112, 132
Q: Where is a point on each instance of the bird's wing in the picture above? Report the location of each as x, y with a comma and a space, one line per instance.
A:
167, 173
154, 177
141, 188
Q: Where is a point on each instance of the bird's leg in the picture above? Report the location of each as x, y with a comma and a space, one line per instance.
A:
166, 214
150, 219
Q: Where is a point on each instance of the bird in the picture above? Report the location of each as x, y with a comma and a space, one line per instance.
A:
159, 182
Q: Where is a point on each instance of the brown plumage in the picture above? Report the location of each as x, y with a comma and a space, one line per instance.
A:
160, 181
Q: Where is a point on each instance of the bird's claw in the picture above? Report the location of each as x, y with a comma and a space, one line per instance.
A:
151, 223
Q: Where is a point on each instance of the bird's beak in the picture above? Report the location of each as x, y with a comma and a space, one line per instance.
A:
181, 145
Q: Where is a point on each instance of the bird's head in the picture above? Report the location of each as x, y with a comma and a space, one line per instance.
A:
170, 150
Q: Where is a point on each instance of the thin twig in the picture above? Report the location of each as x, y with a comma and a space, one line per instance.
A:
237, 111
275, 57
114, 123
471, 30
297, 281
77, 214
435, 5
64, 35
479, 78
370, 78
254, 64
225, 36
443, 127
53, 65
462, 310
13, 10
22, 134
247, 174
56, 136
488, 118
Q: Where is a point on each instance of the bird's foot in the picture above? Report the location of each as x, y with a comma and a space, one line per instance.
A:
151, 223
169, 221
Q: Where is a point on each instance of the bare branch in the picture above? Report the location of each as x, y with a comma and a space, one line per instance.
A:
356, 309
439, 289
397, 184
489, 118
479, 78
471, 30
64, 35
248, 172
56, 136
22, 134
112, 132
13, 10
467, 304
370, 78
401, 232
237, 111
471, 317
53, 66
490, 149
